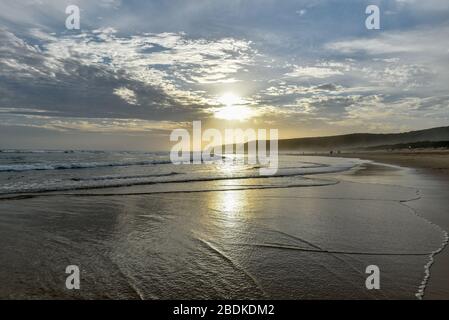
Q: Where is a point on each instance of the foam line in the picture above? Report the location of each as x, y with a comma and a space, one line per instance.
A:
234, 264
44, 194
364, 253
422, 287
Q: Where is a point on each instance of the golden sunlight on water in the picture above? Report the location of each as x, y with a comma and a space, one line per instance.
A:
231, 203
230, 207
228, 213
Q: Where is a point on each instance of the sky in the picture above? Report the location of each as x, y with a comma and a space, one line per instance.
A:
136, 70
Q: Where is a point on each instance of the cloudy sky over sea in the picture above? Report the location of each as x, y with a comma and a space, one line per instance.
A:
138, 69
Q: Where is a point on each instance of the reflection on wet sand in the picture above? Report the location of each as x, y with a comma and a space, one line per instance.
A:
294, 243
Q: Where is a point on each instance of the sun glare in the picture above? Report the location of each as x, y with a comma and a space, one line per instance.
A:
233, 108
229, 99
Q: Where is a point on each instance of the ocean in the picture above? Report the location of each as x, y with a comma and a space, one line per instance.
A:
43, 171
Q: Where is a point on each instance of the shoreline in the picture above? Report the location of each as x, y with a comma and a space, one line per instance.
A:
281, 238
431, 161
432, 165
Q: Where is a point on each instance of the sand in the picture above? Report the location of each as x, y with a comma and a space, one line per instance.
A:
309, 242
429, 165
434, 161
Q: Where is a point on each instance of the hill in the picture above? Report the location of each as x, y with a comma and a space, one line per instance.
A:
363, 140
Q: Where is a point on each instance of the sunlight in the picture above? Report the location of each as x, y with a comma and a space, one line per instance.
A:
229, 99
233, 109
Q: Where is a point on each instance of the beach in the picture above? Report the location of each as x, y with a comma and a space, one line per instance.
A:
433, 168
211, 232
429, 160
245, 151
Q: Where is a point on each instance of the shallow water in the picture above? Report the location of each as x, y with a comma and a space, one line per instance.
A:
24, 172
291, 236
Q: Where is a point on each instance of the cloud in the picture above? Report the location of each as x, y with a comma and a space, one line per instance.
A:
301, 12
384, 112
297, 64
126, 94
313, 72
97, 125
162, 72
170, 62
430, 41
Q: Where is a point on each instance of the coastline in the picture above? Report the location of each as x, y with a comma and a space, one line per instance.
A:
433, 167
431, 161
307, 238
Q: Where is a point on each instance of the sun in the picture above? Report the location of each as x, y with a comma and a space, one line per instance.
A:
229, 99
234, 108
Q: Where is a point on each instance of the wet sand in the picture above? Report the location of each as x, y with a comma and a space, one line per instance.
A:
309, 242
435, 161
432, 167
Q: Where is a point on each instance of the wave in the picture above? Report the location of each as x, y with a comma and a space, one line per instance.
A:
79, 180
50, 151
173, 177
32, 151
49, 193
82, 165
118, 177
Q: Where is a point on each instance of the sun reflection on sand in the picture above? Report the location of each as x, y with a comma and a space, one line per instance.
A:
230, 205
